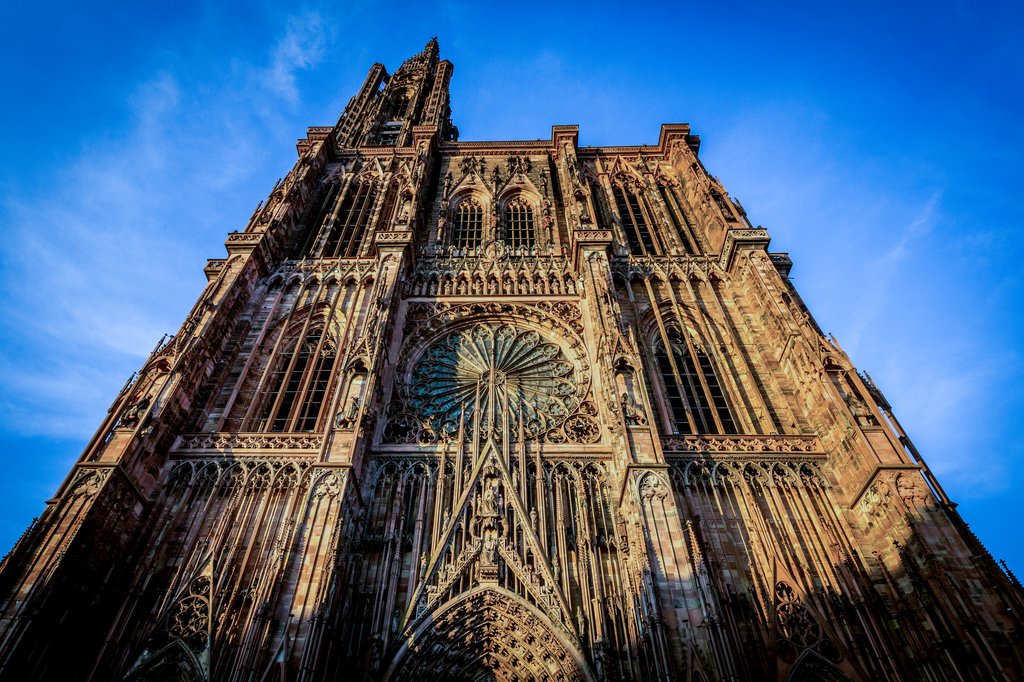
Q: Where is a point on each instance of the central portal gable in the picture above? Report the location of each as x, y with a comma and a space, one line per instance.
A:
488, 631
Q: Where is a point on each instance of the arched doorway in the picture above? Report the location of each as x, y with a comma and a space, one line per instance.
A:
488, 633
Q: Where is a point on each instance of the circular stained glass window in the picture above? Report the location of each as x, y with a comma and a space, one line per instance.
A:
498, 374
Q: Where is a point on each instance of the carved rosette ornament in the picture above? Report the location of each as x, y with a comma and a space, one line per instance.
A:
328, 485
799, 629
190, 618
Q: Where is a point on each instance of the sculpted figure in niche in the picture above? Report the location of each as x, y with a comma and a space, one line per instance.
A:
633, 411
132, 415
860, 410
490, 545
347, 418
403, 214
489, 500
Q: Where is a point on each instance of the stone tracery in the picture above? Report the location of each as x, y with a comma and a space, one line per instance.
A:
492, 370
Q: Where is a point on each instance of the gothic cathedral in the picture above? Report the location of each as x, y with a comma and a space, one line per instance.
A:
458, 410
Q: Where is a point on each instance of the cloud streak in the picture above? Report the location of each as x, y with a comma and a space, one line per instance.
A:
104, 259
301, 48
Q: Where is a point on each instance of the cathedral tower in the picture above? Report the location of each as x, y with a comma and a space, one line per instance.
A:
500, 410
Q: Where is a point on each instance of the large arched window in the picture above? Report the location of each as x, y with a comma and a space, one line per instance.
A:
348, 226
297, 385
468, 224
694, 401
634, 219
519, 228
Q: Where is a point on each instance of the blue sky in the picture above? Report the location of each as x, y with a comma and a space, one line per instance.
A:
878, 142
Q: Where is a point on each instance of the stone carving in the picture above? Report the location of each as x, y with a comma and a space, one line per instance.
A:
134, 413
189, 620
347, 419
88, 482
494, 372
731, 470
248, 441
652, 486
328, 485
861, 411
753, 444
632, 411
799, 628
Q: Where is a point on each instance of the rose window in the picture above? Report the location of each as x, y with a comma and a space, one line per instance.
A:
499, 374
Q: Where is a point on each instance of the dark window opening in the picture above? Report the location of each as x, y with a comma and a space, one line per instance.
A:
634, 223
467, 229
351, 221
519, 224
694, 397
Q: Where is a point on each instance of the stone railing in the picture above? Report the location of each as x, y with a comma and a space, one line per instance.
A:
247, 443
744, 444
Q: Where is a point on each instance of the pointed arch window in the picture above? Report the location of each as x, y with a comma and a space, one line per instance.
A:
676, 215
519, 226
468, 224
348, 226
389, 206
298, 384
319, 217
693, 397
400, 106
634, 219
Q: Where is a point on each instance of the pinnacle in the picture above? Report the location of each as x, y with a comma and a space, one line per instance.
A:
427, 55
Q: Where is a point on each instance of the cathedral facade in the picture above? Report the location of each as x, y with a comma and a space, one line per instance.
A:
508, 410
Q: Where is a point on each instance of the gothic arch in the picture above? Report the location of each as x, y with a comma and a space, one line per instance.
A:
467, 220
488, 633
520, 211
172, 662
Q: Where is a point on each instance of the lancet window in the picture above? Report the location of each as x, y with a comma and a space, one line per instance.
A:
634, 219
676, 215
389, 206
297, 385
400, 106
468, 224
694, 401
519, 226
349, 225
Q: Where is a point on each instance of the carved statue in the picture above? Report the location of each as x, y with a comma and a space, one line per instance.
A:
347, 419
134, 413
633, 411
860, 411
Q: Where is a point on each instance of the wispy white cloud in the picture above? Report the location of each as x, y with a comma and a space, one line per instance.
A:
880, 271
301, 47
106, 257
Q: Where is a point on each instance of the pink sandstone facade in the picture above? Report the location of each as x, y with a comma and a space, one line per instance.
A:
460, 410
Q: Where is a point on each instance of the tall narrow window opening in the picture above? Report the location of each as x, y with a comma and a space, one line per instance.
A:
694, 398
316, 221
676, 214
634, 222
519, 223
400, 106
468, 225
298, 384
351, 221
